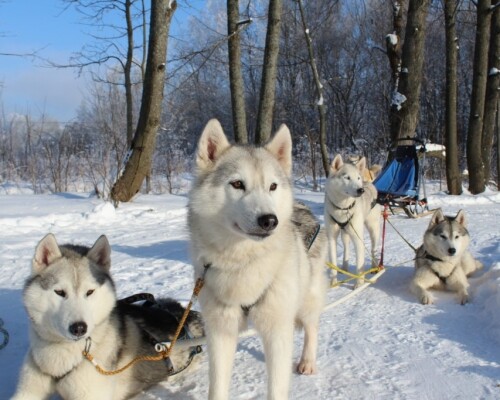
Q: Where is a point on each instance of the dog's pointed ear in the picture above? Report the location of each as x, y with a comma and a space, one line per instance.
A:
437, 218
212, 143
100, 253
336, 164
46, 252
281, 147
461, 219
361, 164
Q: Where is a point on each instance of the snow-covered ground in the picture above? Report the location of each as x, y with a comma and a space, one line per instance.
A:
380, 344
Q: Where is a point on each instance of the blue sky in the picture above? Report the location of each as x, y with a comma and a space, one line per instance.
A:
27, 86
43, 26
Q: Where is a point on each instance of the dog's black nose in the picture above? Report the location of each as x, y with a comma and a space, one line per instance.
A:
78, 328
361, 191
452, 251
268, 222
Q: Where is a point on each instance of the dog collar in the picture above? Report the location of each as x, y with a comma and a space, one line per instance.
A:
431, 257
342, 209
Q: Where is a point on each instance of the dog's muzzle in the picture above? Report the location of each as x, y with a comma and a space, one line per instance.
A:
268, 222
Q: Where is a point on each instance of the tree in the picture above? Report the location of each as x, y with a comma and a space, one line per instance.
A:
269, 71
477, 102
319, 89
492, 95
235, 74
453, 176
393, 42
143, 145
404, 111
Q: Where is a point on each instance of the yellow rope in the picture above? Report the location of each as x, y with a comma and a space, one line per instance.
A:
352, 276
161, 355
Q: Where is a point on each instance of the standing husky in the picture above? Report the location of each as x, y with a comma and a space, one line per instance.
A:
349, 206
71, 302
246, 243
443, 261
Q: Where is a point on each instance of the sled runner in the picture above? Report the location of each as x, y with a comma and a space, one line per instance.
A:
401, 182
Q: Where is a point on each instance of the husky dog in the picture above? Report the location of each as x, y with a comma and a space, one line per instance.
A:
71, 302
248, 243
350, 204
443, 261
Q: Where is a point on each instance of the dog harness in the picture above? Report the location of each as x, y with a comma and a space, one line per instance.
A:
342, 225
441, 277
150, 301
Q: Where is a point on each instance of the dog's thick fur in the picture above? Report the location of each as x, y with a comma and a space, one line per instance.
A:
247, 242
71, 302
443, 261
349, 206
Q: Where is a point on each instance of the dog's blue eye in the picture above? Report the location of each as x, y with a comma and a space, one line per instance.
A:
89, 292
273, 187
61, 293
237, 185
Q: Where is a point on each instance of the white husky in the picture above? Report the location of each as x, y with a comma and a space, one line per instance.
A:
443, 261
253, 258
70, 300
349, 206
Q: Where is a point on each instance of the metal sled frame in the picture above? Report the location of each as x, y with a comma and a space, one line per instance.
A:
402, 180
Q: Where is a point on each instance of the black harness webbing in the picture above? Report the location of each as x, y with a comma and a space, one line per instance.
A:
441, 277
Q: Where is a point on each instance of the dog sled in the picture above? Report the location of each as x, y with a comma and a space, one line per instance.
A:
400, 184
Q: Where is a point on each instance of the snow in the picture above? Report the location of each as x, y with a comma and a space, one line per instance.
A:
380, 344
398, 99
392, 38
493, 71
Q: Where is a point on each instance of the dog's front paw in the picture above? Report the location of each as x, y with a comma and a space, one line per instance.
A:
464, 299
306, 367
334, 281
426, 299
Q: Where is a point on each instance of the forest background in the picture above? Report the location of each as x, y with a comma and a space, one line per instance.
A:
339, 58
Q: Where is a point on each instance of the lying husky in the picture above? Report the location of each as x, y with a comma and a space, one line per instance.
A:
71, 302
349, 206
247, 242
443, 261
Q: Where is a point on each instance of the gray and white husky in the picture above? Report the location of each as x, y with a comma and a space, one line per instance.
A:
350, 205
248, 241
443, 261
71, 303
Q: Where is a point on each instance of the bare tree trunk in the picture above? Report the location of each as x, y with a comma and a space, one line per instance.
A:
453, 176
498, 146
476, 118
269, 71
319, 89
492, 84
139, 163
235, 74
405, 107
393, 43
